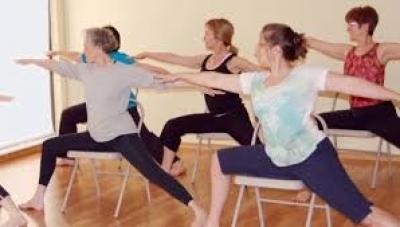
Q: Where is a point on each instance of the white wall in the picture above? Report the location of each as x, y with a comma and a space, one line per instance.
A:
177, 26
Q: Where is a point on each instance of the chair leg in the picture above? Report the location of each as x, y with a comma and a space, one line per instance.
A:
237, 207
376, 167
209, 144
96, 180
259, 207
121, 193
389, 156
335, 143
147, 189
196, 161
310, 210
71, 181
328, 215
120, 165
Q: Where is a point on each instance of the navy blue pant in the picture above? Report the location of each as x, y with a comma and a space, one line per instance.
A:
3, 193
130, 146
321, 172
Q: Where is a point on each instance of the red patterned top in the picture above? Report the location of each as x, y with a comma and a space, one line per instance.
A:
367, 67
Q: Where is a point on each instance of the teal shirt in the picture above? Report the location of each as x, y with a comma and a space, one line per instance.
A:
125, 59
284, 111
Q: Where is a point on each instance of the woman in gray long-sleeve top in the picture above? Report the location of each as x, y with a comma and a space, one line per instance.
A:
109, 124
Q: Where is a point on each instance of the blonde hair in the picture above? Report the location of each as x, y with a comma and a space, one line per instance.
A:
102, 38
223, 30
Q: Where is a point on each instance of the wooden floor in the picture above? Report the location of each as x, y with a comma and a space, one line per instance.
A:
84, 209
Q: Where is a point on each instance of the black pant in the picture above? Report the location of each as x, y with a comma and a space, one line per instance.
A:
130, 146
237, 124
73, 115
3, 193
380, 119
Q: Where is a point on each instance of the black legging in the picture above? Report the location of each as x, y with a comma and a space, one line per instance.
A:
237, 124
130, 146
381, 119
3, 193
73, 115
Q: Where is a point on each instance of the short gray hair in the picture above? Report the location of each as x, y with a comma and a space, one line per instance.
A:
102, 38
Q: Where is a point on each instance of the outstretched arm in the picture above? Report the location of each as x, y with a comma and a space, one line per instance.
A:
42, 63
5, 98
187, 85
390, 51
334, 50
358, 87
227, 82
63, 68
69, 55
240, 65
187, 61
152, 68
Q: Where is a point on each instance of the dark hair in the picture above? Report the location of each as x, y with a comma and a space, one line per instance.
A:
364, 15
293, 44
102, 38
223, 30
116, 35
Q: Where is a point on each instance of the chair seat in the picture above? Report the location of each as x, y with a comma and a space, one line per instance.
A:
350, 133
269, 183
214, 136
94, 155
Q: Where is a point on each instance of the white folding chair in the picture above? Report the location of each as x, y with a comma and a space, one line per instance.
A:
201, 137
335, 133
271, 183
93, 156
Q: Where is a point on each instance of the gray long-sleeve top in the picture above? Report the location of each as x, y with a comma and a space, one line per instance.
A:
106, 89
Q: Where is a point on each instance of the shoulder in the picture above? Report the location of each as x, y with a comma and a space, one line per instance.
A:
121, 57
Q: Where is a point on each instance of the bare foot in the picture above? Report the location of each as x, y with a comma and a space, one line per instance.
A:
65, 162
178, 169
200, 215
33, 204
16, 221
302, 196
379, 217
200, 218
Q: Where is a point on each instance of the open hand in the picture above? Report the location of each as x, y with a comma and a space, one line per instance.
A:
23, 61
4, 98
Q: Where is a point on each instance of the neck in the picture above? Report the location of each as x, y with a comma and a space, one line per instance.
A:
221, 50
366, 41
281, 68
103, 59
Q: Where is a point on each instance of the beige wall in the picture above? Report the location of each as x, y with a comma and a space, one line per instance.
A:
177, 26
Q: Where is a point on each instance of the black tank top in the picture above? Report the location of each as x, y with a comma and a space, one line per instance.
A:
228, 102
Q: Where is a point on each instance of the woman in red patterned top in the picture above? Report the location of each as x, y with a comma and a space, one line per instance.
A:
367, 60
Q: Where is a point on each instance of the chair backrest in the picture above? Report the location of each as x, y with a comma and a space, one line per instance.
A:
256, 133
335, 100
322, 121
141, 114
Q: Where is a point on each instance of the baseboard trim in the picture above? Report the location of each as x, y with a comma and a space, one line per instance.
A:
21, 153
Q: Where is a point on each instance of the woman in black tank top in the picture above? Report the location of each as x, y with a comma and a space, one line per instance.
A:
225, 113
228, 102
